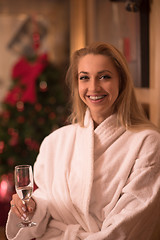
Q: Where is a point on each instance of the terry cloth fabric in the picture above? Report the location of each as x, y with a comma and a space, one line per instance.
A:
95, 185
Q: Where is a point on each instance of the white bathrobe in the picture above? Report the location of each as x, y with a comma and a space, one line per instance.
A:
95, 184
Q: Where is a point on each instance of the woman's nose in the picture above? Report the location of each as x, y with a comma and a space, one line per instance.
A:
94, 84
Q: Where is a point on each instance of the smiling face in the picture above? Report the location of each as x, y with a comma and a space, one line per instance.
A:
98, 85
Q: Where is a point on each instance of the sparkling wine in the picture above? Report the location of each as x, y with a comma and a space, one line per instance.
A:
24, 192
23, 177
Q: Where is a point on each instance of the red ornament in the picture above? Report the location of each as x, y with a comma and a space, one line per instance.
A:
6, 115
11, 131
1, 146
6, 187
32, 144
14, 140
14, 137
41, 121
20, 119
52, 115
20, 106
10, 161
38, 107
43, 86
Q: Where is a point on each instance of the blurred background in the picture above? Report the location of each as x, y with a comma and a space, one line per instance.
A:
37, 39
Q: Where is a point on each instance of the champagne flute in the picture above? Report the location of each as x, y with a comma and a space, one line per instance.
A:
24, 188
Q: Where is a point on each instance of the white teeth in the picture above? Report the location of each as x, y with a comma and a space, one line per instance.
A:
96, 97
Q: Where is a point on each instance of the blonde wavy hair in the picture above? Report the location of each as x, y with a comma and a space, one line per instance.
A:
129, 113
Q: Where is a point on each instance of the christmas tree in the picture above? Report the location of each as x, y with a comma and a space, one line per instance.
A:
33, 108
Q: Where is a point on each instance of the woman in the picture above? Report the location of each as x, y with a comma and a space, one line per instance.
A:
97, 178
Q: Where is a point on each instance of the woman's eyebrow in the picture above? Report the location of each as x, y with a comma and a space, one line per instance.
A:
100, 72
104, 71
83, 72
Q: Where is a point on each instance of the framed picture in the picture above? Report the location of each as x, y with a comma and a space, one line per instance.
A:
126, 28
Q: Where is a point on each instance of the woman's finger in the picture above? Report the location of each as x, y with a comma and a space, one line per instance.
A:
18, 207
15, 210
31, 205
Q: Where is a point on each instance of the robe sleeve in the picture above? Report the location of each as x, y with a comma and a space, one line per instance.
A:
136, 214
41, 215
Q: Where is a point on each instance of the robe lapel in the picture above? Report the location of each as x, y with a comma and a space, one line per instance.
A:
105, 134
81, 172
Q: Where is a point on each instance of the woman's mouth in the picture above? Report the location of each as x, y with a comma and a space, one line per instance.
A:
96, 98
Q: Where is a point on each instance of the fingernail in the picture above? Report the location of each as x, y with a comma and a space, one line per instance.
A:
24, 209
30, 209
24, 215
23, 218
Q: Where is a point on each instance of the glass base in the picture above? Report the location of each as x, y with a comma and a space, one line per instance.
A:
27, 224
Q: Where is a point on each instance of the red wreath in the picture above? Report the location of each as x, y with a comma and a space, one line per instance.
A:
27, 73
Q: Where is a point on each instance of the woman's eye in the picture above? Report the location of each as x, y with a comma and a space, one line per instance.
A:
83, 77
105, 77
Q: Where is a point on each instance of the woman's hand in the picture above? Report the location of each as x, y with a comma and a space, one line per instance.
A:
21, 209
